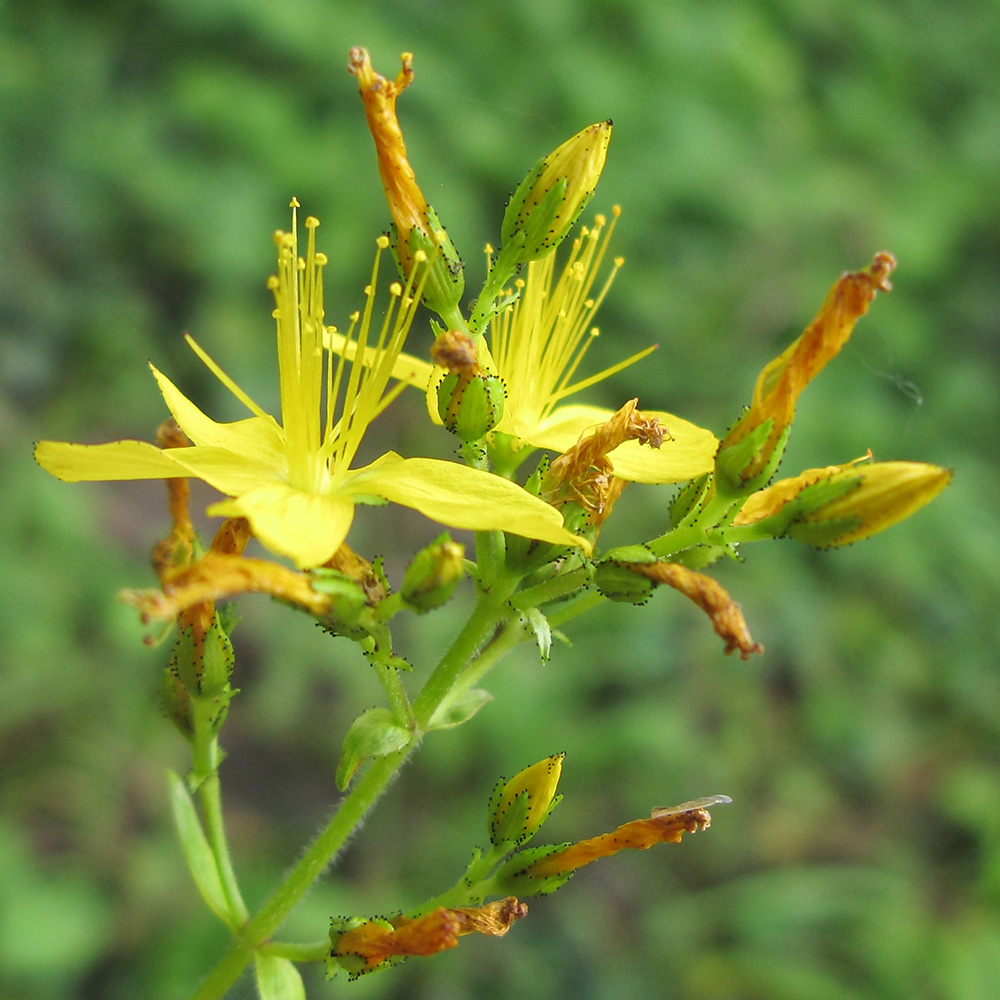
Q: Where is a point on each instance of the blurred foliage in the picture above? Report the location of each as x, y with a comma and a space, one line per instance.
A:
148, 151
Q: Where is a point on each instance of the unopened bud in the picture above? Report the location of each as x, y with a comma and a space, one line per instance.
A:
470, 401
616, 578
550, 199
203, 664
519, 807
867, 500
433, 575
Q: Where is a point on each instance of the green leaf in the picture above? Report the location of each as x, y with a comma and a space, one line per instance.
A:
543, 633
373, 734
278, 979
455, 710
198, 855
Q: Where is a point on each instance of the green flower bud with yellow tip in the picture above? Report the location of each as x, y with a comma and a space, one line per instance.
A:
433, 575
550, 199
519, 807
841, 504
470, 401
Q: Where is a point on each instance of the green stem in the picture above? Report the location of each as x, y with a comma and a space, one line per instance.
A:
210, 796
575, 607
294, 951
507, 636
453, 319
490, 611
206, 757
350, 813
551, 590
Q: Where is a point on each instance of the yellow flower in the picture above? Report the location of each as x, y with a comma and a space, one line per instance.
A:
293, 480
536, 345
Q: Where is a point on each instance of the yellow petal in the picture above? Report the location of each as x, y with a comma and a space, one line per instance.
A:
74, 463
259, 436
689, 454
230, 472
462, 497
306, 527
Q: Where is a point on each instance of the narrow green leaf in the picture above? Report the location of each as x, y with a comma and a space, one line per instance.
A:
373, 734
543, 633
453, 711
278, 979
198, 855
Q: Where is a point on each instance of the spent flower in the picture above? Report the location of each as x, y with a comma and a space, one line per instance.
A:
751, 449
417, 227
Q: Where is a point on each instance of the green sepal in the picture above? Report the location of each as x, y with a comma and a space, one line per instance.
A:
197, 853
511, 879
208, 674
689, 499
615, 579
470, 406
531, 234
732, 462
445, 284
349, 607
791, 520
373, 734
277, 978
456, 709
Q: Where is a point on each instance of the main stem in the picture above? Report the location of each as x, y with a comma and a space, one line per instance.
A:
490, 612
351, 811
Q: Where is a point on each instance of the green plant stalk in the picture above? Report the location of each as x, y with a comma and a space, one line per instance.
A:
324, 848
490, 612
563, 585
206, 757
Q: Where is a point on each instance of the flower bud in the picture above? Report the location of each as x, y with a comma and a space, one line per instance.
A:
550, 199
469, 400
519, 807
617, 579
851, 503
203, 663
431, 578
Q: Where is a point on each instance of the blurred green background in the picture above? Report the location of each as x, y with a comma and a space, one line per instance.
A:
149, 149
